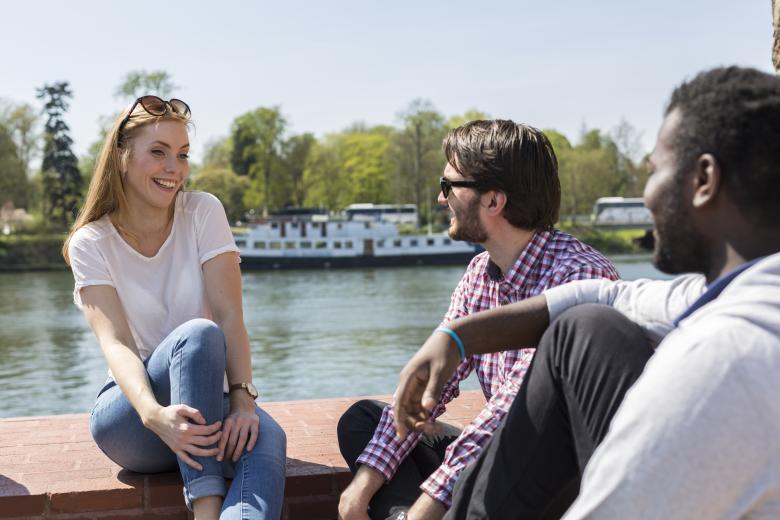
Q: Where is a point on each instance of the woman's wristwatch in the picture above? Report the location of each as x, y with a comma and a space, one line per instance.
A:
249, 387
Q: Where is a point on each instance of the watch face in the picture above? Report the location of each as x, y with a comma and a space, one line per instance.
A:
252, 390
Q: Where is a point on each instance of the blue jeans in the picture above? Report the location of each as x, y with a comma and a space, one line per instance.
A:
188, 367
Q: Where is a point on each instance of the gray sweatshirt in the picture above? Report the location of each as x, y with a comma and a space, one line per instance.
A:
698, 435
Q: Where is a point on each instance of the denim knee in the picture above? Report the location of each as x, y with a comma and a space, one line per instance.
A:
201, 337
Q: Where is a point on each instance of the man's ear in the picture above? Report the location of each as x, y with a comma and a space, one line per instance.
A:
707, 181
496, 202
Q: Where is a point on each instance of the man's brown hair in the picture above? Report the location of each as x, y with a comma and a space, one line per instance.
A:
514, 158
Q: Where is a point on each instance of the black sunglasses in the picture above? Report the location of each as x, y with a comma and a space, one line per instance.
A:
447, 185
156, 107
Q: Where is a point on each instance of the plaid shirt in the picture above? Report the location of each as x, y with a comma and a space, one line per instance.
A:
550, 259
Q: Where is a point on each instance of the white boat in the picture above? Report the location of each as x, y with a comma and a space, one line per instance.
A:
304, 244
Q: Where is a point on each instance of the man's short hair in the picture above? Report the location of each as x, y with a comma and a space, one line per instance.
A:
733, 113
514, 158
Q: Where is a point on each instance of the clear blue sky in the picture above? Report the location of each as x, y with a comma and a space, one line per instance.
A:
558, 65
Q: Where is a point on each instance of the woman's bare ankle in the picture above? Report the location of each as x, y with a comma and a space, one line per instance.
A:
207, 508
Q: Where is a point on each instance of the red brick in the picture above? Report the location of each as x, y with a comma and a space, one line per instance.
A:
306, 485
164, 490
313, 508
145, 515
97, 500
67, 464
29, 505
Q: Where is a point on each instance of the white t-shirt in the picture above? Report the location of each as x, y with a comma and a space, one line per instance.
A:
159, 293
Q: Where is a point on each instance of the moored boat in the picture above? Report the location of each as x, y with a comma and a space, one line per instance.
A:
312, 244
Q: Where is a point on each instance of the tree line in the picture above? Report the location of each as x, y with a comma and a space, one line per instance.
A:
259, 167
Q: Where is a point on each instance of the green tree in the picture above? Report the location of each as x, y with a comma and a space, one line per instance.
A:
295, 152
21, 121
325, 185
630, 156
470, 115
587, 171
257, 138
216, 153
420, 149
139, 82
14, 185
368, 166
226, 186
61, 176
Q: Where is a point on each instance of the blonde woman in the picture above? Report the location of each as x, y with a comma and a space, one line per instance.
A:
157, 277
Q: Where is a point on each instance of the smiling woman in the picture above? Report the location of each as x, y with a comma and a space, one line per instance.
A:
153, 266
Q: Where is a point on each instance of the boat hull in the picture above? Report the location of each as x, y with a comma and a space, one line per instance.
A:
249, 262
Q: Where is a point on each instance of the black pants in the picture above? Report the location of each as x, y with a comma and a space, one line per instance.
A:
355, 430
531, 467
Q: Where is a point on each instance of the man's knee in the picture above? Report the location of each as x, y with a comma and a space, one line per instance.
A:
362, 416
593, 331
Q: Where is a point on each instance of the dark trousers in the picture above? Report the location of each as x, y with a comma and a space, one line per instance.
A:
531, 467
355, 430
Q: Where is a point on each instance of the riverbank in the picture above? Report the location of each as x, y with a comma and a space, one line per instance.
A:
32, 252
43, 252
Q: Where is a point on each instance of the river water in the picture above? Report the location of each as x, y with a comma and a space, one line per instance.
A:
314, 334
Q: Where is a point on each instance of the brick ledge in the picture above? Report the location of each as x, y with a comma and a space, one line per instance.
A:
51, 468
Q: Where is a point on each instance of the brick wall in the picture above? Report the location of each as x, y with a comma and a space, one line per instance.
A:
50, 468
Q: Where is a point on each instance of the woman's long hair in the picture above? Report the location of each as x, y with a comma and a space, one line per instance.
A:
106, 194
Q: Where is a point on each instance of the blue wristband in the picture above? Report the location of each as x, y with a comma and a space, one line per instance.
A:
454, 336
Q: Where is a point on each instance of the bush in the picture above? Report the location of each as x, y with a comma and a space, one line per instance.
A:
31, 252
612, 242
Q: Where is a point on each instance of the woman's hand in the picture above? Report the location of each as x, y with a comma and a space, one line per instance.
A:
174, 425
241, 429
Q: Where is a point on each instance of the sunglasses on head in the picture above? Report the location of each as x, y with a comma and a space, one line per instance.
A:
156, 107
447, 185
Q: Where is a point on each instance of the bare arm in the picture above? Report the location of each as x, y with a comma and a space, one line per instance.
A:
222, 278
106, 316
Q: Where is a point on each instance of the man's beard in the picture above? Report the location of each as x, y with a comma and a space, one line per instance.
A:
467, 226
678, 247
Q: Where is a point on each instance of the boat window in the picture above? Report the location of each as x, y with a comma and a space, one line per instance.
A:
397, 243
294, 225
274, 225
337, 245
260, 245
380, 243
367, 225
240, 243
289, 245
339, 226
305, 245
430, 242
274, 245
447, 241
349, 244
321, 244
413, 242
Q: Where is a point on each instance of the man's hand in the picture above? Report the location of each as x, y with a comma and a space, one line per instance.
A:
422, 381
426, 508
353, 504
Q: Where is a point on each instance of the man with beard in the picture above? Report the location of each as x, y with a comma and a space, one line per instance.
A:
501, 186
698, 434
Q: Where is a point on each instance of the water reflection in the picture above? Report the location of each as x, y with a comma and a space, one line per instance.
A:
314, 334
